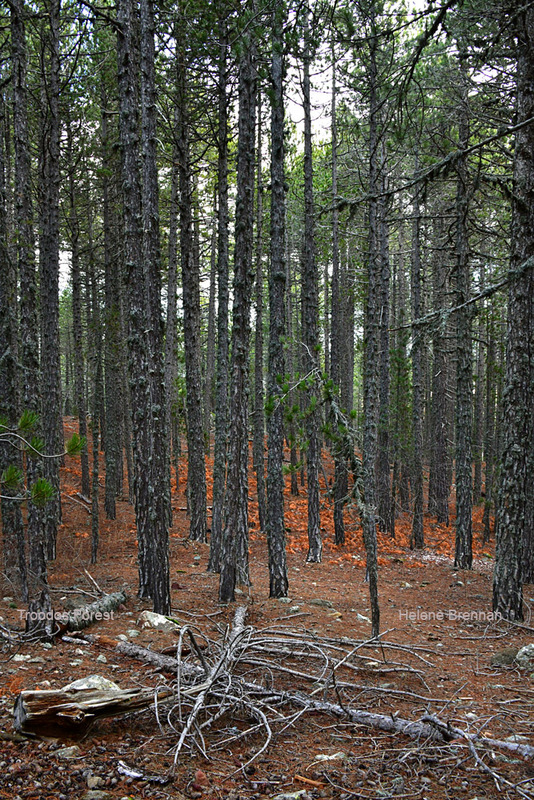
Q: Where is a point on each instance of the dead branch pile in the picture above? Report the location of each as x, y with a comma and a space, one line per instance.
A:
243, 686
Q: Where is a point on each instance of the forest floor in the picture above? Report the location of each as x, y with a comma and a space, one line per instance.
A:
431, 659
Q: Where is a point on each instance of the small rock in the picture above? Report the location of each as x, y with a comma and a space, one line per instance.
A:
46, 645
285, 600
92, 682
525, 657
37, 660
335, 757
122, 637
318, 601
132, 633
76, 662
149, 619
96, 794
363, 618
21, 657
302, 794
102, 659
504, 658
294, 609
68, 752
93, 781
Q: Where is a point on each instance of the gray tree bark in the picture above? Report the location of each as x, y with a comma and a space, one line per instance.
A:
278, 581
221, 398
310, 314
234, 552
517, 413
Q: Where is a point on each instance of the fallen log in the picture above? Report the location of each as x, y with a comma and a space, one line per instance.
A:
163, 662
70, 713
101, 609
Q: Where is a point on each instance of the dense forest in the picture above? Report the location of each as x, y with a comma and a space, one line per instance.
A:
269, 228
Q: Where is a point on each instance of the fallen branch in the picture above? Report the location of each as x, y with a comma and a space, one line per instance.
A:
101, 609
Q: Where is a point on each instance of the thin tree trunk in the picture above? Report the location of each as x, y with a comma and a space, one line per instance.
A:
12, 523
29, 329
385, 521
336, 332
171, 352
191, 320
258, 453
234, 552
464, 404
278, 582
310, 313
221, 400
49, 271
77, 333
112, 344
417, 539
439, 481
370, 358
209, 374
489, 430
478, 405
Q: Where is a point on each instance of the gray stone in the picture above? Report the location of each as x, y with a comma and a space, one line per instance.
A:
317, 601
149, 619
96, 794
503, 658
525, 657
68, 752
93, 682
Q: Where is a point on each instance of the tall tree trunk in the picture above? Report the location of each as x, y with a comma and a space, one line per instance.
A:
221, 399
49, 271
159, 456
12, 523
196, 465
258, 453
478, 404
439, 481
171, 344
385, 519
112, 344
234, 553
517, 414
464, 402
97, 390
278, 582
29, 327
209, 373
370, 357
417, 539
336, 331
489, 428
310, 313
77, 330
151, 497
291, 432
